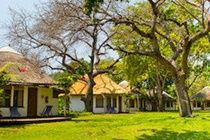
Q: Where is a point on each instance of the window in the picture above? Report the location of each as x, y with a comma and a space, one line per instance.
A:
99, 102
132, 103
114, 102
169, 104
5, 98
55, 93
198, 104
194, 103
18, 98
208, 103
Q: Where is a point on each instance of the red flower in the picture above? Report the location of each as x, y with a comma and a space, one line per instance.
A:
23, 69
82, 78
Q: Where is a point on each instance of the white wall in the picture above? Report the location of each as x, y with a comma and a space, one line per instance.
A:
42, 93
76, 104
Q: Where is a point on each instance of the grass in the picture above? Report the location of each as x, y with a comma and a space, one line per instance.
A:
137, 126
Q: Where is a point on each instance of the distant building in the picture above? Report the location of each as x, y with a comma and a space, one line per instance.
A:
201, 100
107, 95
146, 101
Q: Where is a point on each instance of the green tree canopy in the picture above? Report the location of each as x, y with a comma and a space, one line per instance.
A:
170, 32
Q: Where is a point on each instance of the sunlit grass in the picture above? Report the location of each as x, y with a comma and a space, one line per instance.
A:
146, 125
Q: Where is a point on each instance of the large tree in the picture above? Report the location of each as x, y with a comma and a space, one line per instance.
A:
60, 31
148, 75
167, 32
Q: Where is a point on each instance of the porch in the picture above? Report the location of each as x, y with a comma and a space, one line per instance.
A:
108, 104
30, 101
113, 103
200, 105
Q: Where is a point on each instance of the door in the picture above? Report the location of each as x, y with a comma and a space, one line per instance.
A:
32, 102
120, 103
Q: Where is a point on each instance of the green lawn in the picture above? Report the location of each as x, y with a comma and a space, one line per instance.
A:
140, 126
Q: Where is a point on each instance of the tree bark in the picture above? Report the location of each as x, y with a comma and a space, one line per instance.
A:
159, 94
154, 105
160, 100
89, 95
183, 97
89, 103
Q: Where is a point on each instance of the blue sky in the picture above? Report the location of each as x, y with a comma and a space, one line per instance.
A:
5, 15
27, 5
15, 4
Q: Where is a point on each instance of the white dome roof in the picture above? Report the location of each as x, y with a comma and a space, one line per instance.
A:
9, 49
124, 84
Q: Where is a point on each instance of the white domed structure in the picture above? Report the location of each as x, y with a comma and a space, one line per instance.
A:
124, 84
9, 49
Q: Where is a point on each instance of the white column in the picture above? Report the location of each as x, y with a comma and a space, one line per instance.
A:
12, 96
104, 102
26, 97
138, 103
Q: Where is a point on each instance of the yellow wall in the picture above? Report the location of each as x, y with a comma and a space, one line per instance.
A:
42, 93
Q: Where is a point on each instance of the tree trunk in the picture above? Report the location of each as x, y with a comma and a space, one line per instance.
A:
154, 103
160, 100
183, 98
89, 95
159, 90
154, 100
159, 94
89, 102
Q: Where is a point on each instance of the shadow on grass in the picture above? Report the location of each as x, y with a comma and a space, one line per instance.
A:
78, 121
161, 119
13, 125
171, 135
